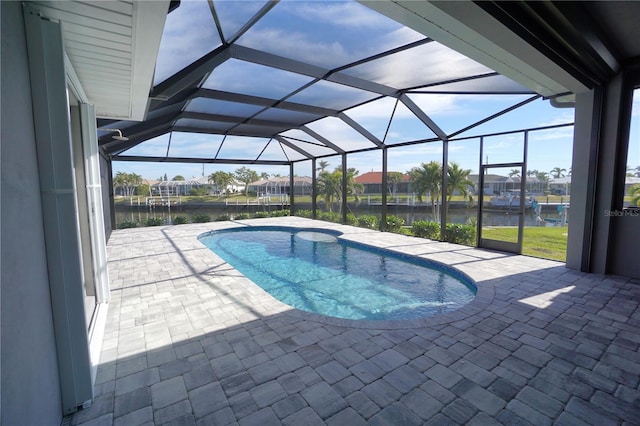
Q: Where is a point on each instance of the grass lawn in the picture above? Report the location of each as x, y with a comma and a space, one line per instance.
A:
545, 242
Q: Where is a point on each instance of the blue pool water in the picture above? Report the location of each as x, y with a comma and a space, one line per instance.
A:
314, 271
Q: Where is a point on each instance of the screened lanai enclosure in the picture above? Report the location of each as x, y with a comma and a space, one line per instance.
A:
489, 100
303, 84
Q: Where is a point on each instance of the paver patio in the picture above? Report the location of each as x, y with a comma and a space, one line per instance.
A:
189, 340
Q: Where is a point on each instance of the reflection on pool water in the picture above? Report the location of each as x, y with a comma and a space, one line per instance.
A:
315, 271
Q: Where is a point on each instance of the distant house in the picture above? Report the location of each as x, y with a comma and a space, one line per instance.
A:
177, 187
497, 184
372, 183
560, 186
281, 185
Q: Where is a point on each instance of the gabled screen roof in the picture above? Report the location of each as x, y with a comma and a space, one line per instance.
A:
301, 78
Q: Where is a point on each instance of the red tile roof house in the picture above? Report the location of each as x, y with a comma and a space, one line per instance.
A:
372, 182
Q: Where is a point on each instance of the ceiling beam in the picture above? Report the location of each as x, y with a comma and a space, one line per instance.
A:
123, 146
254, 19
230, 132
266, 102
322, 139
415, 109
319, 73
467, 28
235, 120
358, 128
191, 75
293, 146
565, 34
134, 132
196, 160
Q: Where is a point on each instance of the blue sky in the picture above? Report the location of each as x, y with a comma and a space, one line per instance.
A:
331, 34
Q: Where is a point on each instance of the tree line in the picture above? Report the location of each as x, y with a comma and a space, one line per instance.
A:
243, 175
128, 182
555, 173
425, 179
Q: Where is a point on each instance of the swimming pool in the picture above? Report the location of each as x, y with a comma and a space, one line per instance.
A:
314, 270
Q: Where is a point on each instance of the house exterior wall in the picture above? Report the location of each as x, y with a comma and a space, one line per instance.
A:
599, 241
623, 259
30, 382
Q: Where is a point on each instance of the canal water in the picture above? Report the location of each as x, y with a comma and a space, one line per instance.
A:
410, 214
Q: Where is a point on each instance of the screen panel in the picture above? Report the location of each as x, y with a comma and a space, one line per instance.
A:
249, 79
189, 33
326, 34
420, 65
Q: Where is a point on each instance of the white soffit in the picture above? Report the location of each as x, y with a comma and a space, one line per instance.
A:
112, 47
468, 29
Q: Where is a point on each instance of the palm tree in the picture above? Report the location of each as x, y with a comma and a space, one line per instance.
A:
514, 173
393, 179
134, 180
126, 181
457, 180
329, 186
428, 179
221, 180
557, 172
264, 176
354, 188
322, 165
120, 181
543, 177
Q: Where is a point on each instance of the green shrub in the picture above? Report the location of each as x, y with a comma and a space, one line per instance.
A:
180, 220
280, 213
367, 221
222, 218
127, 225
426, 229
460, 234
394, 223
241, 216
261, 215
351, 219
404, 231
198, 191
201, 218
330, 217
304, 213
142, 190
154, 221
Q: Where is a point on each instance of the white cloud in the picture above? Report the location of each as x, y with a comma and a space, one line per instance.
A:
339, 13
296, 45
564, 133
399, 37
431, 62
566, 116
440, 104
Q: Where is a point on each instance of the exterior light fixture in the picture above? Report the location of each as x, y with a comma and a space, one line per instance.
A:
119, 137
